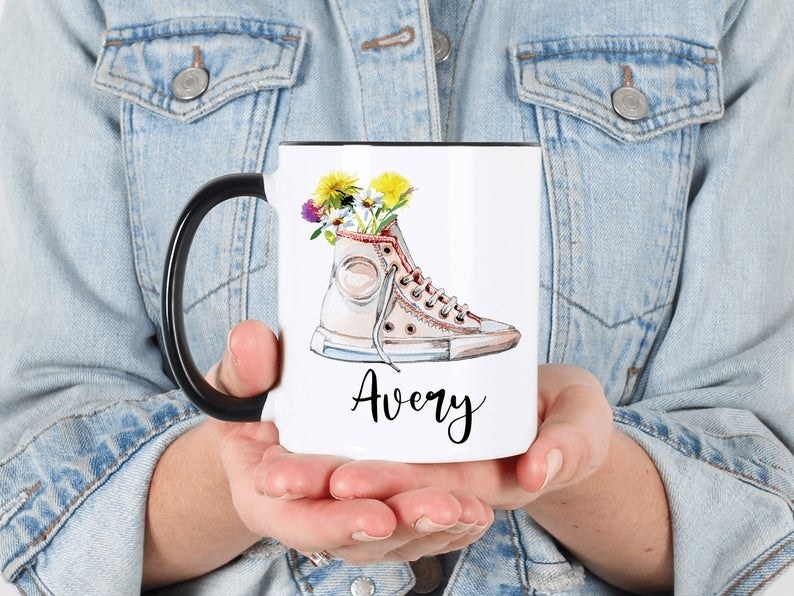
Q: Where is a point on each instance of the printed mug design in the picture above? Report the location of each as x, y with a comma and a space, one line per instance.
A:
379, 306
377, 309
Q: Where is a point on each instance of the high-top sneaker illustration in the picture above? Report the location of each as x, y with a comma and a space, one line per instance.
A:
379, 307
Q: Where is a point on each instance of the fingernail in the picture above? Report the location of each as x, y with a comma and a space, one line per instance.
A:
229, 346
553, 466
364, 537
289, 496
284, 495
460, 528
276, 489
428, 526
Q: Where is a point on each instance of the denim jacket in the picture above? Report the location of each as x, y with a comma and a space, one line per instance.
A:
666, 257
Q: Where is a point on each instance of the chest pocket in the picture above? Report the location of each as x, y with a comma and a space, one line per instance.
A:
200, 98
619, 119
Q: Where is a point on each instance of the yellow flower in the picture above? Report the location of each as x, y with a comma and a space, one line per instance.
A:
393, 186
333, 186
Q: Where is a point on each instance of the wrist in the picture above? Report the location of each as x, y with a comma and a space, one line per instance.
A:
618, 513
191, 524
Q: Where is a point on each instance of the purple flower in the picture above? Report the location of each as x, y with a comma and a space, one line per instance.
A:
311, 212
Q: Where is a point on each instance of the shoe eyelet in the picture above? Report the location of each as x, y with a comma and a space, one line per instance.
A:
428, 305
387, 250
444, 314
416, 292
388, 326
459, 320
410, 328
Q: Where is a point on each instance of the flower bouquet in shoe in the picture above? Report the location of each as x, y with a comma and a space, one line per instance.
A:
340, 204
379, 306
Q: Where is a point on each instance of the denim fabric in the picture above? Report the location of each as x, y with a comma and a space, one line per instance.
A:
666, 255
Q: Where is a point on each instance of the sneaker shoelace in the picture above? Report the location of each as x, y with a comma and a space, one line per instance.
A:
424, 284
380, 316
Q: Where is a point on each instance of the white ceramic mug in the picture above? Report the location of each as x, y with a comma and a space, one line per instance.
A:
408, 289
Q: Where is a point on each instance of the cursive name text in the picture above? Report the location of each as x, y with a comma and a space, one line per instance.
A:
461, 409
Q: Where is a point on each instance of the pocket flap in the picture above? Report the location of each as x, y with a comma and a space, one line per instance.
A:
240, 56
681, 81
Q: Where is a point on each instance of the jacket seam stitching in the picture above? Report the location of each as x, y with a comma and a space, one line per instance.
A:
599, 319
653, 124
144, 263
228, 283
676, 231
519, 552
235, 85
731, 589
34, 579
683, 450
456, 71
561, 342
115, 37
100, 479
68, 510
696, 61
357, 62
44, 430
18, 502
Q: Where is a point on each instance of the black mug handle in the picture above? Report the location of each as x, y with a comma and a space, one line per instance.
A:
213, 402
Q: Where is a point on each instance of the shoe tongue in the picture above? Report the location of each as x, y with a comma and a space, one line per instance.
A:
394, 231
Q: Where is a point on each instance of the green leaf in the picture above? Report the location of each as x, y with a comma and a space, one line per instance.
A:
316, 233
362, 227
386, 222
330, 236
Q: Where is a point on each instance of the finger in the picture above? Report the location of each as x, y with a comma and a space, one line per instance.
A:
432, 510
381, 479
574, 434
426, 510
246, 442
436, 544
285, 475
250, 364
558, 455
325, 524
475, 515
474, 511
426, 521
491, 480
558, 382
427, 536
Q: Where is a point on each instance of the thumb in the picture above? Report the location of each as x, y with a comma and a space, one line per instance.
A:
250, 363
575, 430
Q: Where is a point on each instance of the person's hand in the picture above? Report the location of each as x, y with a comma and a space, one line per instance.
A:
248, 367
591, 487
574, 433
426, 520
287, 496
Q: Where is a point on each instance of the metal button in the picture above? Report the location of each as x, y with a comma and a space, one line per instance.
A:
429, 574
441, 46
630, 103
362, 586
193, 81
